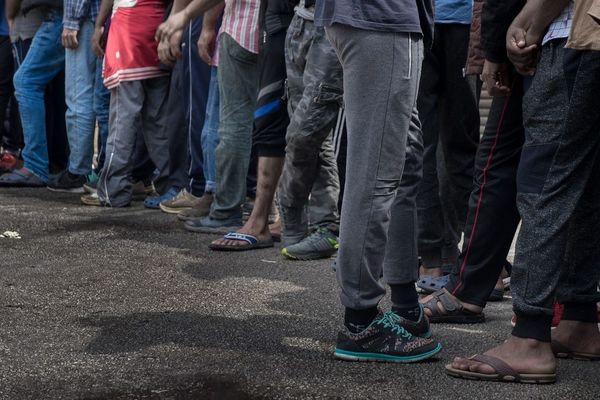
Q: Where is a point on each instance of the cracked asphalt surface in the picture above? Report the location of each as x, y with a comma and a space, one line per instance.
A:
125, 304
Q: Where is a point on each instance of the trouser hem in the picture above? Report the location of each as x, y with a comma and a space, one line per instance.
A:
533, 327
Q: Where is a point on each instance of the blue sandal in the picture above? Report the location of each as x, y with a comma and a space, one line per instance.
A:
251, 243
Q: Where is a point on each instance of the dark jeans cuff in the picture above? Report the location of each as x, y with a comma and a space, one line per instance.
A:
533, 327
582, 312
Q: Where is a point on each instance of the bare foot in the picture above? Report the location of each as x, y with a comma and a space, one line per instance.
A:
275, 228
499, 284
525, 356
435, 272
579, 337
250, 228
470, 307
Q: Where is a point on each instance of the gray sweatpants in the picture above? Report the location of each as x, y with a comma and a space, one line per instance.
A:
381, 79
134, 105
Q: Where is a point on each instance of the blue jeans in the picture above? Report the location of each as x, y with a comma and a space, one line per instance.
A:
210, 133
45, 59
85, 95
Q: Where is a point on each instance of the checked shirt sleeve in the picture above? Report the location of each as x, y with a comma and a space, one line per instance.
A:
74, 12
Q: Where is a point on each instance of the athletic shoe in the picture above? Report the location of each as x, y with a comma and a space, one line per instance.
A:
91, 200
202, 209
67, 182
139, 189
384, 340
322, 243
183, 201
418, 328
153, 202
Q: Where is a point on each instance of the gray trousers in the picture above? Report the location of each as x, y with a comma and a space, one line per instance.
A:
558, 191
378, 231
134, 105
314, 95
238, 90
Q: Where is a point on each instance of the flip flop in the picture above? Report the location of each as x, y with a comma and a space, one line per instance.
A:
251, 243
504, 372
561, 351
453, 312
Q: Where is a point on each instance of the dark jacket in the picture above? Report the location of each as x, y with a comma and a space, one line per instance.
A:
28, 5
496, 17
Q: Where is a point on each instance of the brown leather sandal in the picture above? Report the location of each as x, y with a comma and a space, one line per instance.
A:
453, 312
504, 372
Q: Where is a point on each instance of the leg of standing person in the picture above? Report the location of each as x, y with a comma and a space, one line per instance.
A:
270, 123
431, 216
196, 81
492, 218
44, 61
315, 83
459, 136
101, 109
6, 86
114, 184
209, 140
80, 79
556, 183
154, 127
380, 99
238, 78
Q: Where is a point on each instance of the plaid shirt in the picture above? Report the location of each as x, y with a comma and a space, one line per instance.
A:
561, 26
76, 11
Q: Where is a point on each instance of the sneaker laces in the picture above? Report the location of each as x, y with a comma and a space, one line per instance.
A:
318, 235
390, 320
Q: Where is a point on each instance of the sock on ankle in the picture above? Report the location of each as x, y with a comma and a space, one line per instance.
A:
405, 301
358, 320
411, 314
582, 312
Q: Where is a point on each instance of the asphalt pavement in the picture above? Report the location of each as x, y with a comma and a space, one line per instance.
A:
125, 304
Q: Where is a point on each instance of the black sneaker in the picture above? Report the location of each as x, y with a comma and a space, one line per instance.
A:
419, 328
67, 182
384, 340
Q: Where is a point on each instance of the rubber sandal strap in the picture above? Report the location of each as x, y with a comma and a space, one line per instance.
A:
501, 368
244, 237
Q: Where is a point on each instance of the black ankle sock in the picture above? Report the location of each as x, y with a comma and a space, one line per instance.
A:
358, 320
405, 301
411, 313
582, 312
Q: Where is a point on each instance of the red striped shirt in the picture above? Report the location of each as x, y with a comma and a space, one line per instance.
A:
240, 21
